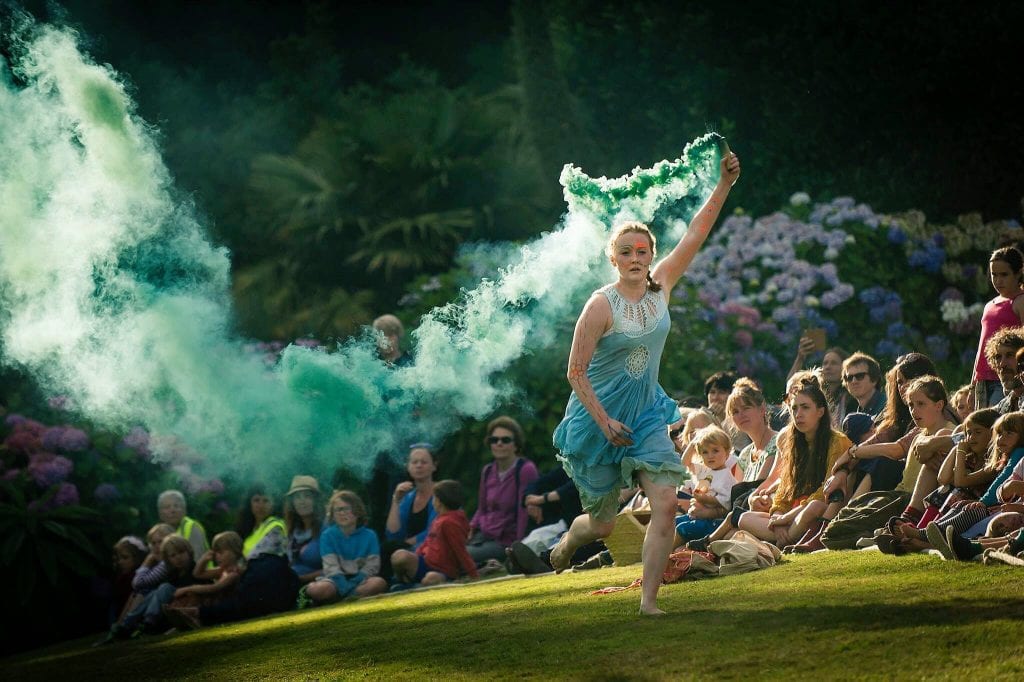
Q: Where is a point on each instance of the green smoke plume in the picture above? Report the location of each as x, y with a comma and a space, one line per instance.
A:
112, 295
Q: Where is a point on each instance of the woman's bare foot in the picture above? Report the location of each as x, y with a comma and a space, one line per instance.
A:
650, 611
560, 554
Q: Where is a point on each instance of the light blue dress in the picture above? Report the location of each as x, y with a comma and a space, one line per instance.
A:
624, 374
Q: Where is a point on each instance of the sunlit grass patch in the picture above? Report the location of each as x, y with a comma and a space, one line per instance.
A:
833, 615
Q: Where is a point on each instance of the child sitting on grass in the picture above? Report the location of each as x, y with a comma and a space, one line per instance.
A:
245, 588
442, 556
350, 552
146, 616
129, 553
153, 570
226, 552
713, 480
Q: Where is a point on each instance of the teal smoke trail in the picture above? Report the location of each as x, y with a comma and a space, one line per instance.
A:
112, 295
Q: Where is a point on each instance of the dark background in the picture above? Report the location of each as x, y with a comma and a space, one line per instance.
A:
345, 152
901, 105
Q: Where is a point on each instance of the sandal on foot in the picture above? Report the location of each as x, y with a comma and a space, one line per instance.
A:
890, 525
888, 544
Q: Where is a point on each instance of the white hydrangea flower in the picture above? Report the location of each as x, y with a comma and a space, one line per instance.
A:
800, 199
954, 312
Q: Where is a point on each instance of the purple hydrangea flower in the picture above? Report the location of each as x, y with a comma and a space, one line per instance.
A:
23, 441
137, 439
951, 294
938, 347
67, 494
47, 469
889, 348
51, 438
106, 493
743, 338
74, 440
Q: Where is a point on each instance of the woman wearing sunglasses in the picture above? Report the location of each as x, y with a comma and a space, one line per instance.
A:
500, 517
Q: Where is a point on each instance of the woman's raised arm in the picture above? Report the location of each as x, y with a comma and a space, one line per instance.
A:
668, 271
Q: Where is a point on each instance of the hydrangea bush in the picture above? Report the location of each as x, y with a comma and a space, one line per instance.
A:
878, 283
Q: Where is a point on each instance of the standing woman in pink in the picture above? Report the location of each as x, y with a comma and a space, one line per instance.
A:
1006, 270
615, 428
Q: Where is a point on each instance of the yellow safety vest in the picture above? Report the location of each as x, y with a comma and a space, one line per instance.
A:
185, 531
264, 529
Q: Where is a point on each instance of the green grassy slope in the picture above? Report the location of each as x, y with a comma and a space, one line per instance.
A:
828, 616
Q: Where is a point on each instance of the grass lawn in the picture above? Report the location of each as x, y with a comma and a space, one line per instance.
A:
827, 616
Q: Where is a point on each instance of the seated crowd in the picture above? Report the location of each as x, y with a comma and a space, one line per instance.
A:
907, 468
851, 458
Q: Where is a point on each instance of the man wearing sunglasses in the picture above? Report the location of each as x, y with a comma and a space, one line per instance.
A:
861, 377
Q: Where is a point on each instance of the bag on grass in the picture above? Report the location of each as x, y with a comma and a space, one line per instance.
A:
862, 516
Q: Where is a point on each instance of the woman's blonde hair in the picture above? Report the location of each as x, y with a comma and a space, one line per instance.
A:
1012, 422
638, 228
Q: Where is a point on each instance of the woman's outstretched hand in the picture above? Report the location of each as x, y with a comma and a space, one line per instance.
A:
617, 433
730, 168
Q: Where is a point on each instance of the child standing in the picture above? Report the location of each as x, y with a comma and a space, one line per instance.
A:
1006, 270
442, 556
713, 481
350, 552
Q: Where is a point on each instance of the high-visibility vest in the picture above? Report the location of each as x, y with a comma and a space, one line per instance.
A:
185, 530
264, 529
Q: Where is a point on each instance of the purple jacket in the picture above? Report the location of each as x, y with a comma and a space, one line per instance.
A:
500, 512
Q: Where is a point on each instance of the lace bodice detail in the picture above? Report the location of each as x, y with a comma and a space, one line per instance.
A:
635, 319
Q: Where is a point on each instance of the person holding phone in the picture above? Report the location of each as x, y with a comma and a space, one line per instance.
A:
614, 430
813, 341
